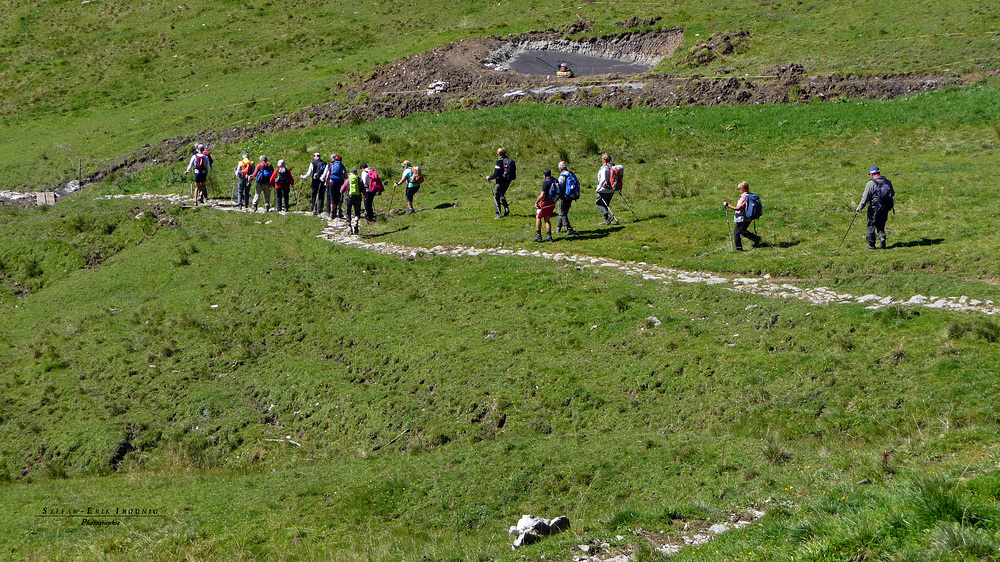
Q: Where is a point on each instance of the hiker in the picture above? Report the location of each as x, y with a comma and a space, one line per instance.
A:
201, 163
412, 178
564, 71
262, 186
546, 204
605, 190
567, 180
282, 180
741, 219
879, 196
333, 178
372, 188
244, 177
354, 189
315, 171
504, 172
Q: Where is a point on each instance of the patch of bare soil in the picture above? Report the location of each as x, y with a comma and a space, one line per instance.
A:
463, 75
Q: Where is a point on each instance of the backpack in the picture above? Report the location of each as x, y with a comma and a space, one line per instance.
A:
552, 190
508, 169
283, 176
882, 200
416, 176
754, 207
319, 166
615, 179
246, 168
572, 186
337, 172
264, 175
374, 182
354, 185
201, 163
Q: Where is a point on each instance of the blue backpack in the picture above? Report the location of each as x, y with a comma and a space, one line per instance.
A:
754, 207
572, 186
337, 172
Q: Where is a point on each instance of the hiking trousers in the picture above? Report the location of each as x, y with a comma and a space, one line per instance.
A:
876, 225
604, 204
353, 208
281, 194
370, 205
262, 189
743, 229
243, 193
500, 197
563, 211
317, 197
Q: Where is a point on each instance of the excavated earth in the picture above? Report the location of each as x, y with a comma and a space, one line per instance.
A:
472, 74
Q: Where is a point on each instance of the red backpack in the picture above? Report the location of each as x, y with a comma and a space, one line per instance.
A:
616, 177
374, 182
201, 163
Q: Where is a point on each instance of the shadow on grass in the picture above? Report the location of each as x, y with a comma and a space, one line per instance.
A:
444, 206
921, 242
783, 244
593, 234
386, 233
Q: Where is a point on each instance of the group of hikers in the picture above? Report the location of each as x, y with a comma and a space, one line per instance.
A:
340, 193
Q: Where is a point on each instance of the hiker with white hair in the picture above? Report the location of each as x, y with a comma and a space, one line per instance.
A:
316, 169
282, 180
201, 163
262, 184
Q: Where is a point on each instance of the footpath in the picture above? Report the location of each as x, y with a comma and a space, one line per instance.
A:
336, 231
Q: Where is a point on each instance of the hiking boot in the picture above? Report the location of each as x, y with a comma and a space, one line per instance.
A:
538, 238
558, 230
570, 232
549, 239
410, 211
506, 211
882, 244
872, 247
497, 217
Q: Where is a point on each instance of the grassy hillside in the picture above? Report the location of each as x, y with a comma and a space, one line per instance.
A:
94, 81
432, 402
257, 392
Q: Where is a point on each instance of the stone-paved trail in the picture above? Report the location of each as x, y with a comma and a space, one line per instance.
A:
336, 231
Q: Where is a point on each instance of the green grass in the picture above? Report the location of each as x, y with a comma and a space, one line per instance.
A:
276, 396
414, 425
808, 162
93, 82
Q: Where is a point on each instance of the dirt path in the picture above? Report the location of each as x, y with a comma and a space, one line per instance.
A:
336, 231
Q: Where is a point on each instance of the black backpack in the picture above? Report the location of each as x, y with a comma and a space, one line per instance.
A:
508, 169
319, 166
284, 176
883, 198
551, 189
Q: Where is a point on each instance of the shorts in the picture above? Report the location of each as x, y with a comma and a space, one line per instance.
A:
200, 177
546, 210
410, 192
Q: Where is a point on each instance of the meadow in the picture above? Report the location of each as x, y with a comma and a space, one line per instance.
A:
230, 386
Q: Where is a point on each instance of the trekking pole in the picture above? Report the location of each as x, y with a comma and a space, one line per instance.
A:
729, 230
848, 230
391, 197
627, 205
493, 191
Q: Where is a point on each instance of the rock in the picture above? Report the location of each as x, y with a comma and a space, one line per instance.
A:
526, 538
531, 529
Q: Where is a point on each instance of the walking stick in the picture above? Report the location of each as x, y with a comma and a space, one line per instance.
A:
729, 230
496, 204
391, 197
848, 230
627, 205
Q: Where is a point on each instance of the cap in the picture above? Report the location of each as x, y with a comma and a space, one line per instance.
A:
315, 154
873, 170
245, 155
406, 163
199, 146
